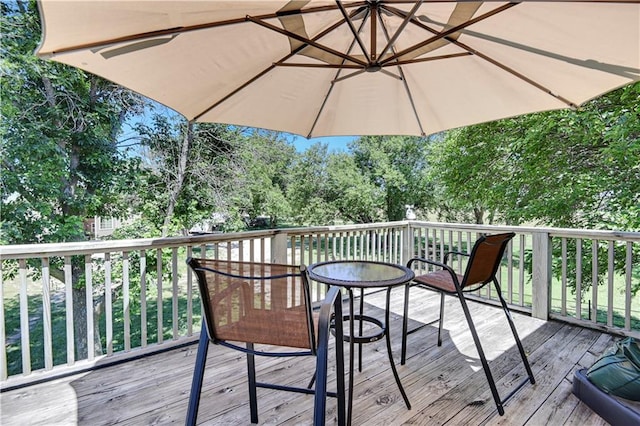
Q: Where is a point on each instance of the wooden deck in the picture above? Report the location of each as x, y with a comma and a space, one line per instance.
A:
445, 384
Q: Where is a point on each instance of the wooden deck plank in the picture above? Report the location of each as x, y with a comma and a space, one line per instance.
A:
445, 384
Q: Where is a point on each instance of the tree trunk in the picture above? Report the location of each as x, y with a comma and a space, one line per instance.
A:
81, 337
176, 186
478, 213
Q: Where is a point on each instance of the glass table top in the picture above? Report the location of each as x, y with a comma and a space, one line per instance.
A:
357, 273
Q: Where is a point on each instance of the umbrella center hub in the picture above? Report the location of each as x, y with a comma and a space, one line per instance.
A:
373, 68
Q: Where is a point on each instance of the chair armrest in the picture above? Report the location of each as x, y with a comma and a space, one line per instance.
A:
435, 263
446, 255
423, 260
332, 301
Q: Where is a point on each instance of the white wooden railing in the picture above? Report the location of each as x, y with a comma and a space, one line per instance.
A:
148, 301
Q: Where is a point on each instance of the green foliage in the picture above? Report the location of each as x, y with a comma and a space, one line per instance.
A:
195, 171
266, 157
60, 159
355, 198
561, 168
396, 165
574, 169
309, 194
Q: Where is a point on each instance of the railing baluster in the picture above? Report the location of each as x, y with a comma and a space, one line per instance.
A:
159, 313
24, 319
190, 293
610, 274
563, 294
143, 298
68, 301
174, 292
521, 270
579, 278
594, 280
510, 272
108, 303
4, 372
126, 301
627, 282
46, 314
88, 274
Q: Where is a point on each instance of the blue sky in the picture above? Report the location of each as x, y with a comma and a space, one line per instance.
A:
335, 143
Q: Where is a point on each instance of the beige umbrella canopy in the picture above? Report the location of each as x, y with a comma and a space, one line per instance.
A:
318, 68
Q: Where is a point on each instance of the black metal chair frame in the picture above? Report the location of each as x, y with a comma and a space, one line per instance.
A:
460, 289
331, 306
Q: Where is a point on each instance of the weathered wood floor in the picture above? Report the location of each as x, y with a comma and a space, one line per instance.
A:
446, 384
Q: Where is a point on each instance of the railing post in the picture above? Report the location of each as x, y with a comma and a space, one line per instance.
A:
541, 276
407, 247
279, 248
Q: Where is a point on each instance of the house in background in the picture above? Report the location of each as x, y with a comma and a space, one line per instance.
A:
99, 227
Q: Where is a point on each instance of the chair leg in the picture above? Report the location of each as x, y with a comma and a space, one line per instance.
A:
198, 374
405, 322
253, 394
440, 321
483, 358
523, 355
341, 393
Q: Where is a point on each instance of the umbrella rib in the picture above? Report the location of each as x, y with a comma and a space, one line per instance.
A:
439, 35
272, 66
187, 29
404, 81
333, 82
411, 14
430, 58
293, 65
515, 73
352, 28
497, 64
344, 77
306, 41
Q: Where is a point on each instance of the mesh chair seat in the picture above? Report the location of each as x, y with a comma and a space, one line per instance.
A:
441, 280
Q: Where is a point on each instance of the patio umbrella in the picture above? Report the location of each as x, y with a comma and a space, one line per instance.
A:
376, 67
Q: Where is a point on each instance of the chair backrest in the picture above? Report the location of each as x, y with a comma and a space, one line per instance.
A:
255, 302
485, 259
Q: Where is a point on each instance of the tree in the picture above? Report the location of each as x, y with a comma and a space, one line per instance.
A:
308, 190
398, 166
198, 170
267, 159
190, 170
61, 162
465, 166
355, 197
563, 168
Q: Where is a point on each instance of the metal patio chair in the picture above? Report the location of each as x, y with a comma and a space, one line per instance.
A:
481, 269
267, 304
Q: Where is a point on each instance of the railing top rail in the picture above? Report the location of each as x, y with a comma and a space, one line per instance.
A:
22, 251
341, 228
554, 232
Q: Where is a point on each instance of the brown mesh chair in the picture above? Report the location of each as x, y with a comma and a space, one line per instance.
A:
482, 266
268, 304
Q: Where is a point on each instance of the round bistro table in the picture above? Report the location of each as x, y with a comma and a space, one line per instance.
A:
362, 274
